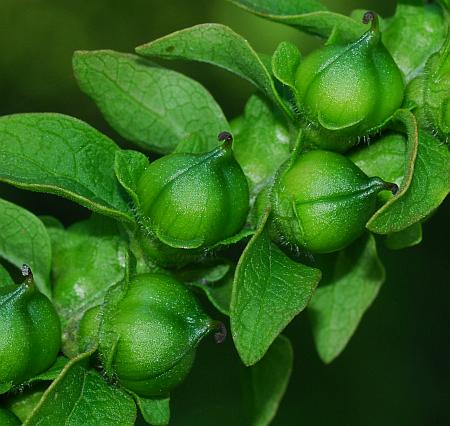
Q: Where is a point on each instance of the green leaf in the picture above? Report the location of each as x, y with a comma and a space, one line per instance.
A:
61, 155
287, 7
309, 16
88, 258
385, 158
5, 278
5, 387
430, 184
269, 290
204, 273
413, 34
218, 45
155, 108
446, 4
51, 222
265, 383
129, 166
234, 239
261, 143
22, 404
430, 92
219, 292
285, 62
409, 237
338, 306
407, 119
53, 372
107, 337
24, 239
156, 411
81, 397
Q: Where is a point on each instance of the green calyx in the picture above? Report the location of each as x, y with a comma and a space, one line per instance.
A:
164, 255
194, 200
323, 201
88, 329
349, 90
154, 329
31, 331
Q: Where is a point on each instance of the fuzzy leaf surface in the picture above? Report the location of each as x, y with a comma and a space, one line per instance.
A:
338, 306
129, 166
285, 62
218, 45
61, 155
309, 16
219, 293
154, 107
265, 383
261, 143
430, 184
81, 397
413, 34
409, 237
5, 278
269, 290
24, 239
155, 411
89, 257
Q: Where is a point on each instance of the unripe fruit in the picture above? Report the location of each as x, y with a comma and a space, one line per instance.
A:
351, 90
157, 326
323, 201
194, 200
30, 330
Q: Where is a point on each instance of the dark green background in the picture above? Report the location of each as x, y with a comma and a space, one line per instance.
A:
396, 370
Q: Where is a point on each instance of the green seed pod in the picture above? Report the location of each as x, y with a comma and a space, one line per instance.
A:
30, 330
323, 201
155, 330
194, 200
7, 418
349, 90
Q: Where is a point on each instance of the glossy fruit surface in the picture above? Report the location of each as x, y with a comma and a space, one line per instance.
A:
351, 89
194, 200
30, 330
322, 201
156, 327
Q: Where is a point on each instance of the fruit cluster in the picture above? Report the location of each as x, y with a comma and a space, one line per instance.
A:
188, 213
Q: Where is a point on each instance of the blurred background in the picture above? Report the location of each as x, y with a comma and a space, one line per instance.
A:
396, 370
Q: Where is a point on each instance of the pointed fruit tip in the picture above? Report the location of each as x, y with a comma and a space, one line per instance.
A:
221, 334
226, 138
369, 16
26, 271
393, 187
